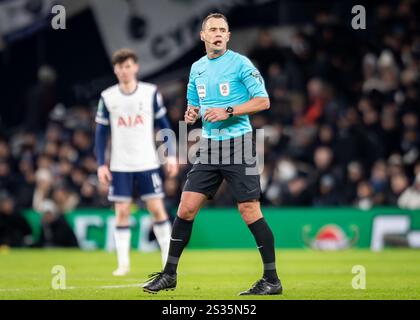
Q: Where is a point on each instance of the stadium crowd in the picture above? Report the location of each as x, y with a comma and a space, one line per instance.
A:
342, 130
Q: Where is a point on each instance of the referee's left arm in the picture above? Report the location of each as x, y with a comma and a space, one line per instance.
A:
254, 84
253, 81
252, 106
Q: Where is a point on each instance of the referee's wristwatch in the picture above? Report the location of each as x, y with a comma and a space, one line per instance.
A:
229, 111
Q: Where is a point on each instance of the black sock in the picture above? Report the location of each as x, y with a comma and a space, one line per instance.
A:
181, 233
265, 242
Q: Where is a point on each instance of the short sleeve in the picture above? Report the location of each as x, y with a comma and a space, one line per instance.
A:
192, 95
102, 115
159, 108
252, 79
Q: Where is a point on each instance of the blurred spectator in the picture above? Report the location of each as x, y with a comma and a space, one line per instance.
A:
410, 198
26, 182
14, 229
89, 194
7, 180
43, 187
316, 101
354, 177
324, 165
296, 192
327, 194
399, 183
4, 150
410, 146
82, 142
326, 136
390, 130
77, 177
56, 232
364, 196
395, 165
379, 182
41, 99
65, 200
266, 52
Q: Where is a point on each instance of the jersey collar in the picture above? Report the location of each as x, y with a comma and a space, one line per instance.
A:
130, 93
214, 59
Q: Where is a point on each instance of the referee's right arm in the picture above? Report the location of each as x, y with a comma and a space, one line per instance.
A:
193, 110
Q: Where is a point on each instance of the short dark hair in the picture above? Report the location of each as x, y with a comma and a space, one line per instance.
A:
213, 15
123, 55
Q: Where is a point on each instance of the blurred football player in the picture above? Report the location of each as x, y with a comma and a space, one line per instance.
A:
128, 111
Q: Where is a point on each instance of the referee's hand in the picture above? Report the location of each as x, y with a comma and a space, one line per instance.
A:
191, 115
215, 114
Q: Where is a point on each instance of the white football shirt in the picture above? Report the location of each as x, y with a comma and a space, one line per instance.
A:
131, 117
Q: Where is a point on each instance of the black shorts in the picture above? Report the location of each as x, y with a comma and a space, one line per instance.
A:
242, 177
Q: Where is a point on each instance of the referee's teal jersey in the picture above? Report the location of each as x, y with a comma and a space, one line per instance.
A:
228, 80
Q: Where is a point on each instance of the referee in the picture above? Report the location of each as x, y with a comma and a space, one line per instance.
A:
224, 88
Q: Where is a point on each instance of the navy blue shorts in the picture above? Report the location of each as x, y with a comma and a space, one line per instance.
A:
128, 185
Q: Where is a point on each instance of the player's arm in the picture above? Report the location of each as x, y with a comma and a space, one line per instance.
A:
102, 132
101, 138
162, 121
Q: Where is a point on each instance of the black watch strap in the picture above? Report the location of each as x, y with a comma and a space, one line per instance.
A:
229, 111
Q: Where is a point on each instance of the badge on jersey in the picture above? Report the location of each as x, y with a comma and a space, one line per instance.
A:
224, 89
201, 90
257, 75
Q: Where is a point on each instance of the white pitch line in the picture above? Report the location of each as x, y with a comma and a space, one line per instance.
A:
72, 288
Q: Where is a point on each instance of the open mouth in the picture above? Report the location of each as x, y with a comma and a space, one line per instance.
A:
217, 42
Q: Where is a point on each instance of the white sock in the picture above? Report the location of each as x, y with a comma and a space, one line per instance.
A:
162, 232
123, 245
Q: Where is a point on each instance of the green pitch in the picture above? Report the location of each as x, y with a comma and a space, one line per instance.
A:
211, 274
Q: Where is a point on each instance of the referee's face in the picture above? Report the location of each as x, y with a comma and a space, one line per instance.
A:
215, 35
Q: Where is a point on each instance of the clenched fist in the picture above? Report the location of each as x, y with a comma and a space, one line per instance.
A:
191, 115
